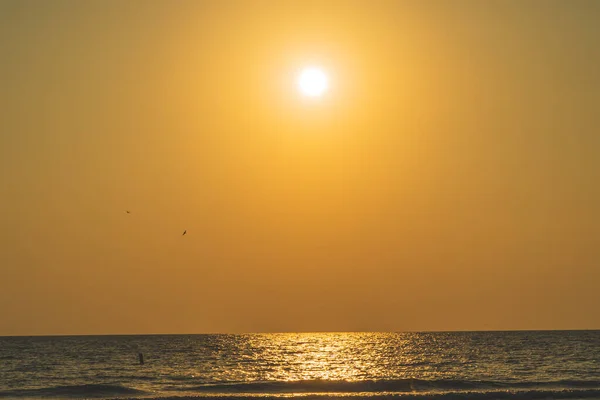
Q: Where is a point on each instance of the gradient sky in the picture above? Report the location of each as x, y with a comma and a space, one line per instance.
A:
449, 180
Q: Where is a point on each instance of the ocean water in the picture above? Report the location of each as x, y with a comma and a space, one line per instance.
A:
456, 365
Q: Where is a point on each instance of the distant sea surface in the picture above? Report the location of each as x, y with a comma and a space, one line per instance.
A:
457, 365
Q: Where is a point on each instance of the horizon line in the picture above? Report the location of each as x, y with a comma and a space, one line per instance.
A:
304, 332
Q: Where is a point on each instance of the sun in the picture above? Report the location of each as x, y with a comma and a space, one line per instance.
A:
312, 82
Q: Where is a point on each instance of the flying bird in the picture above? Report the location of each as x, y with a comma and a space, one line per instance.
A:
128, 212
184, 232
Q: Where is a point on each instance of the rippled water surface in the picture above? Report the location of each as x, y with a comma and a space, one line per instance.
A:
532, 364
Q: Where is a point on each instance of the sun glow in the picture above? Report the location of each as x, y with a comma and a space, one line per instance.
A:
312, 82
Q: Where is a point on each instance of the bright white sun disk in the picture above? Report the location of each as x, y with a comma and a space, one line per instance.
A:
312, 82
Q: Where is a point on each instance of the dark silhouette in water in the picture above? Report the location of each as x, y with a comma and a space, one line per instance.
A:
141, 358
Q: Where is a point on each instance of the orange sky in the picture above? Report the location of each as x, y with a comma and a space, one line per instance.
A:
449, 179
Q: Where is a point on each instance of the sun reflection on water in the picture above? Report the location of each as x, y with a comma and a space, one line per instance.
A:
326, 356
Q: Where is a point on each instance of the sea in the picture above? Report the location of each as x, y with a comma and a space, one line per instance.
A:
311, 366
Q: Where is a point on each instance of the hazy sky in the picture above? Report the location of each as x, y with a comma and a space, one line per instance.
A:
449, 179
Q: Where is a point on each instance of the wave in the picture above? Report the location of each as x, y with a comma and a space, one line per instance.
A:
402, 389
74, 391
489, 395
387, 386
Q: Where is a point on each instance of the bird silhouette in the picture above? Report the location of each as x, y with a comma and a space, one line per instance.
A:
128, 212
184, 232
